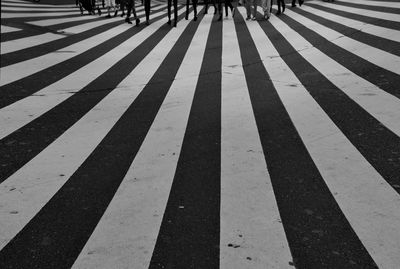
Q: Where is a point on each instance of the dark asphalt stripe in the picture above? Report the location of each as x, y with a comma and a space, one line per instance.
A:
318, 233
26, 86
372, 40
384, 79
38, 134
36, 51
57, 234
379, 145
368, 7
190, 230
359, 17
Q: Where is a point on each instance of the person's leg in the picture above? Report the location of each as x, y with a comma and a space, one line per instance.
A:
219, 9
175, 12
187, 10
254, 2
194, 3
169, 11
248, 9
147, 11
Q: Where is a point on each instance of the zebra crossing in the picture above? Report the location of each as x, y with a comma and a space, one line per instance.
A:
233, 144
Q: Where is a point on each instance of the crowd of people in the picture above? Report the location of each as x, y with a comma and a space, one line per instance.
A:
128, 8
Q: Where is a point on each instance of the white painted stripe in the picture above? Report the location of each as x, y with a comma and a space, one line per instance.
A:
373, 3
8, 29
27, 9
126, 235
376, 56
20, 70
361, 11
380, 104
28, 109
359, 25
32, 186
250, 218
6, 15
28, 42
369, 203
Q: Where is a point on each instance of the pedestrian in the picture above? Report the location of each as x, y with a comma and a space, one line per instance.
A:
194, 3
130, 5
294, 2
110, 4
247, 4
175, 12
147, 11
266, 7
228, 3
122, 5
280, 3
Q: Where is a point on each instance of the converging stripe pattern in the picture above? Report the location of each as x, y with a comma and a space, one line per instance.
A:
216, 144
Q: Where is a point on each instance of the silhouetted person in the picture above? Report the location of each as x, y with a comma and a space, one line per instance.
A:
194, 3
175, 12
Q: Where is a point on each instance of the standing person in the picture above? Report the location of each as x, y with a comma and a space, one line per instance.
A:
194, 3
281, 2
294, 2
175, 12
131, 8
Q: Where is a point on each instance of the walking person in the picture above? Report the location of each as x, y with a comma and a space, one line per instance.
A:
266, 7
131, 8
147, 11
194, 3
110, 4
280, 3
175, 12
294, 2
248, 4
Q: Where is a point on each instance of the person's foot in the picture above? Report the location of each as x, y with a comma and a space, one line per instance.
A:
283, 8
147, 22
266, 17
123, 14
108, 16
137, 22
253, 18
99, 11
248, 18
175, 22
195, 18
294, 5
116, 13
169, 22
128, 21
301, 2
278, 13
